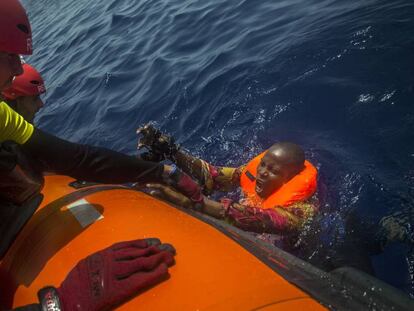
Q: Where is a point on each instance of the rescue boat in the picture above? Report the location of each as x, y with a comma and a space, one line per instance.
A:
218, 267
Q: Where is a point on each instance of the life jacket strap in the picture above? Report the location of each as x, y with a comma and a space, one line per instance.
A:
250, 176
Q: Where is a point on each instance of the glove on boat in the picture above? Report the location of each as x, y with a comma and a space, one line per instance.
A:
109, 277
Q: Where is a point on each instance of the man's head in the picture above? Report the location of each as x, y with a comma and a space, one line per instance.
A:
24, 93
279, 164
15, 39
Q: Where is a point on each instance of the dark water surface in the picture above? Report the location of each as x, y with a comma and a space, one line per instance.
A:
229, 78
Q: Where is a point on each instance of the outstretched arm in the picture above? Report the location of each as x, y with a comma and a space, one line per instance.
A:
103, 165
89, 163
273, 220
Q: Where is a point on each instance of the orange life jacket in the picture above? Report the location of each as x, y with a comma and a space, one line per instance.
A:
299, 188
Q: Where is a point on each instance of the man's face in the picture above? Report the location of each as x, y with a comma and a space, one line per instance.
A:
10, 66
28, 106
271, 175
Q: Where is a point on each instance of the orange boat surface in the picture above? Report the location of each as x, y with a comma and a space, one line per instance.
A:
212, 272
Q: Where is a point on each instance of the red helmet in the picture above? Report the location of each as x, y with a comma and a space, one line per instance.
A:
15, 34
29, 83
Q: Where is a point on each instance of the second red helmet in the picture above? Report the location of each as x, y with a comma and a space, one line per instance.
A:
30, 83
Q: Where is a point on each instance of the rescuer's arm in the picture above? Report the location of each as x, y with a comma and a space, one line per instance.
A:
86, 162
75, 160
103, 165
89, 163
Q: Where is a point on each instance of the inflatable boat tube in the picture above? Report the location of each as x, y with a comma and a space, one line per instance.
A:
218, 267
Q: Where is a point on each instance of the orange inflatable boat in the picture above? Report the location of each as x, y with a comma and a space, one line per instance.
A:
218, 267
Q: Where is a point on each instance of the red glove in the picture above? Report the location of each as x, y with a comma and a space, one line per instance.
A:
109, 277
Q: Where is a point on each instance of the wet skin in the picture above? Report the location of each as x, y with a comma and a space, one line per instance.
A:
271, 174
10, 66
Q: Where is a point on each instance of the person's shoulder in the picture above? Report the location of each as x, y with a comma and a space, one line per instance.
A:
13, 126
5, 108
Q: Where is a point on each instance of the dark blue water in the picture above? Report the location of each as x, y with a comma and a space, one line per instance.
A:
229, 78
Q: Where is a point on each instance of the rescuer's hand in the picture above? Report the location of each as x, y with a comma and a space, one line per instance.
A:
160, 146
109, 277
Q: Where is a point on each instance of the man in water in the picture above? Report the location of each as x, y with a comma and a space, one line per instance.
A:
278, 185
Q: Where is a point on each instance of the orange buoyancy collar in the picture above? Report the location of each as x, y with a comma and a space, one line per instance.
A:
299, 188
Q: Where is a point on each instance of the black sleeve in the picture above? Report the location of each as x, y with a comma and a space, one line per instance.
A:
89, 163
